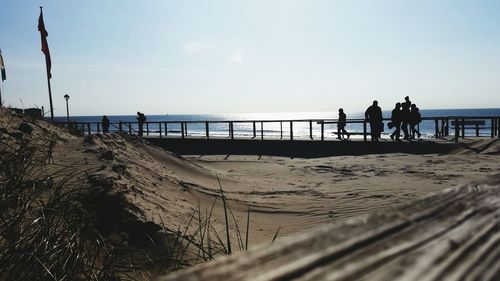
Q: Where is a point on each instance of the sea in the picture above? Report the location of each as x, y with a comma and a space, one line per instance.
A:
274, 129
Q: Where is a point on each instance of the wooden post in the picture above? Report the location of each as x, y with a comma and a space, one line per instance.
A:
442, 128
88, 124
463, 127
436, 128
206, 130
120, 126
281, 129
261, 130
477, 130
147, 128
166, 128
498, 128
186, 128
364, 131
182, 130
291, 130
492, 127
98, 127
231, 130
322, 130
457, 130
447, 126
254, 130
311, 129
159, 128
129, 128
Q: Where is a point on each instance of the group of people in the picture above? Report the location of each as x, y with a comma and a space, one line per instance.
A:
404, 117
141, 118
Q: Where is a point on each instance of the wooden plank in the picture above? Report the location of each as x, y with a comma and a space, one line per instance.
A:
450, 235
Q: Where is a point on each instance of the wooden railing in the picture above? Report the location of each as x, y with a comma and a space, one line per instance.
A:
442, 125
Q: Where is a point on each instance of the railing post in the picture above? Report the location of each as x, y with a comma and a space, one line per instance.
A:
120, 126
281, 129
457, 130
322, 130
447, 126
98, 127
182, 130
166, 128
129, 128
291, 130
364, 130
88, 124
311, 129
261, 130
159, 128
231, 130
206, 130
498, 127
442, 128
463, 127
147, 128
436, 128
492, 127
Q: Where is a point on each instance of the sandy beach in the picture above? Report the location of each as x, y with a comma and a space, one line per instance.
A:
284, 196
289, 194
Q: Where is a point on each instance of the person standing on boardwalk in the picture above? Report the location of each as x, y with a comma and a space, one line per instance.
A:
342, 121
105, 124
396, 122
141, 118
374, 116
415, 119
406, 115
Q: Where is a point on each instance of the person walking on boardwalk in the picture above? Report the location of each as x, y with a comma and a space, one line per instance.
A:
406, 115
141, 118
105, 124
374, 116
415, 119
342, 121
396, 122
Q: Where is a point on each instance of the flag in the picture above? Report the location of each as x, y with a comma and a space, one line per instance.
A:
45, 45
2, 67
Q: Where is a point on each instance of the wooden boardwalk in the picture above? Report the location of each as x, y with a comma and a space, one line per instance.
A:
451, 235
298, 148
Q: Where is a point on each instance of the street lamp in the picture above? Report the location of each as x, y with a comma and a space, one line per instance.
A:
66, 97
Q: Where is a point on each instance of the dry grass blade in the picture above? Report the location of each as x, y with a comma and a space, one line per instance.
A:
248, 227
228, 238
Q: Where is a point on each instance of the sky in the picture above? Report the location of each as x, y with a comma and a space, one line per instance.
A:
241, 56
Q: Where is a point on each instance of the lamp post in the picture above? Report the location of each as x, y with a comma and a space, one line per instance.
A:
66, 97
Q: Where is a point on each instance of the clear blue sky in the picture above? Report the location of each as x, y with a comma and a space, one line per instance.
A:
230, 56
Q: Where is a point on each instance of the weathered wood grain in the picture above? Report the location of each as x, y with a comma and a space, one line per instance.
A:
451, 235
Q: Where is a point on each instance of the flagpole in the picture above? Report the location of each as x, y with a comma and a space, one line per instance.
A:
48, 82
50, 91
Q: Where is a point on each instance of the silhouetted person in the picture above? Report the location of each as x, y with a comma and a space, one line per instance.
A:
341, 125
415, 119
396, 122
405, 113
141, 118
105, 124
374, 115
